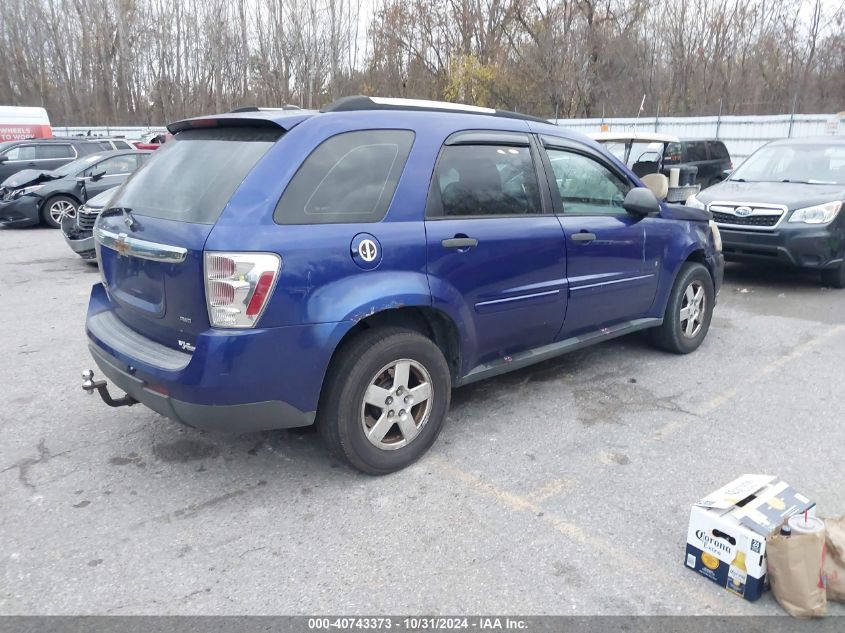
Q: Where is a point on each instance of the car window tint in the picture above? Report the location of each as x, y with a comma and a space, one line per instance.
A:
22, 152
194, 176
481, 180
585, 185
696, 152
718, 150
53, 151
672, 154
349, 178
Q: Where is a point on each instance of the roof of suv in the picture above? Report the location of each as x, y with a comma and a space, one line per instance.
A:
287, 118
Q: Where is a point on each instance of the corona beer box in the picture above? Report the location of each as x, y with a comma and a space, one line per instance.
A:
726, 540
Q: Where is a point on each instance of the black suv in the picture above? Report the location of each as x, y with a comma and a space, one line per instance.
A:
711, 157
44, 154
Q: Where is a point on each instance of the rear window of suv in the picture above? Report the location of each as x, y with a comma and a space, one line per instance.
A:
192, 177
349, 178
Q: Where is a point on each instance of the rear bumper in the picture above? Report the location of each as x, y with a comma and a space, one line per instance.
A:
235, 381
802, 246
20, 212
240, 418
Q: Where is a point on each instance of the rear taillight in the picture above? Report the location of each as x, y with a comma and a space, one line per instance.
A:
238, 287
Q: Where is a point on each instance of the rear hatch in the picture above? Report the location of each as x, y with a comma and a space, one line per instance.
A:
150, 237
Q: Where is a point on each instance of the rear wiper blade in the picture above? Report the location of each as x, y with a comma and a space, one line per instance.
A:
131, 222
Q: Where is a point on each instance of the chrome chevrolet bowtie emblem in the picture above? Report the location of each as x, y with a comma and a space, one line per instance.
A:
121, 246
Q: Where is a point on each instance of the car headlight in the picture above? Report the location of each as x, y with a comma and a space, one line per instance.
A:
695, 203
26, 190
817, 214
717, 236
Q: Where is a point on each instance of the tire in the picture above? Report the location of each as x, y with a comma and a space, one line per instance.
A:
369, 362
834, 277
54, 209
677, 334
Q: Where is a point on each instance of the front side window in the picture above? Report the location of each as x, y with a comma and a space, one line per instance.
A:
118, 165
349, 178
586, 186
22, 152
485, 180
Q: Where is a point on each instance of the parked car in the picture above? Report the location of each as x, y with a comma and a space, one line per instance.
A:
652, 153
154, 142
42, 154
783, 205
79, 230
33, 196
20, 123
274, 269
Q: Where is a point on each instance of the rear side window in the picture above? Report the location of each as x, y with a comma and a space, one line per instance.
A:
349, 178
484, 180
54, 151
696, 152
193, 176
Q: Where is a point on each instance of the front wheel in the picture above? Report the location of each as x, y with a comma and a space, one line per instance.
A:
689, 311
385, 399
56, 209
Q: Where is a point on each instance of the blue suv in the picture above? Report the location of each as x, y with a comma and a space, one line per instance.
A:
347, 268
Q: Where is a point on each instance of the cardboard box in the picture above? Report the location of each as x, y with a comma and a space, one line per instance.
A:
726, 539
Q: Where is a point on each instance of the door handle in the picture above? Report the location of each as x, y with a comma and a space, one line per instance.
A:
583, 237
459, 242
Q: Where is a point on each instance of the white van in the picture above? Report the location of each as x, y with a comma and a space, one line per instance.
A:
17, 124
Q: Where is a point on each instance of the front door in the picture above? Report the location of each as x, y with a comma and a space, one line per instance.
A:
610, 280
492, 248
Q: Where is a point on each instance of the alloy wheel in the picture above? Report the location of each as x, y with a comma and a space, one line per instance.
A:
62, 209
693, 309
397, 404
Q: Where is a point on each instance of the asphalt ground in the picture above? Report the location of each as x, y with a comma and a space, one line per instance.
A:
563, 488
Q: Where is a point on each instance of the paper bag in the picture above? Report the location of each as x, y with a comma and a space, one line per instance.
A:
795, 573
834, 560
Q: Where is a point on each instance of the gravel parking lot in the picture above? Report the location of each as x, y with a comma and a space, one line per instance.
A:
560, 489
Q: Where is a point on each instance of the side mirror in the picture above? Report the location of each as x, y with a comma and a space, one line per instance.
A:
727, 174
3, 159
97, 176
641, 202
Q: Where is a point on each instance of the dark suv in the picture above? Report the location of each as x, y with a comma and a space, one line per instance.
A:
710, 157
43, 154
783, 205
348, 267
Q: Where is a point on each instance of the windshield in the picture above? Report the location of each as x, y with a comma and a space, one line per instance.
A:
81, 164
813, 164
193, 176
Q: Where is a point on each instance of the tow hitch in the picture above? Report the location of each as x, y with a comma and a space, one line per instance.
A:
89, 385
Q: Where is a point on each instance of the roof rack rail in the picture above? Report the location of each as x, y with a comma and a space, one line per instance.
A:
363, 102
258, 109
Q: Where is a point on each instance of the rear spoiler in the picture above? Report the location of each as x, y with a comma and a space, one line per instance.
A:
278, 119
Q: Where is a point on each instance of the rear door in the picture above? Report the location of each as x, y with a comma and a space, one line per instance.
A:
153, 266
612, 273
492, 245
